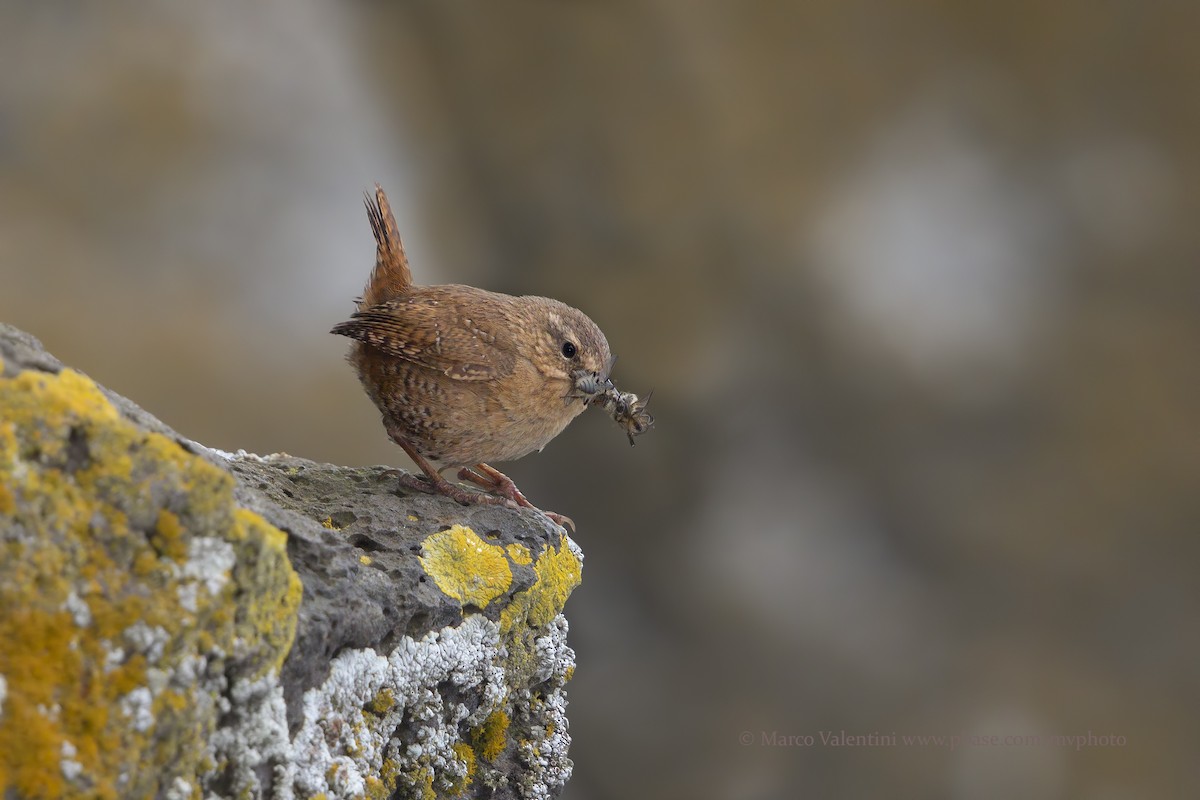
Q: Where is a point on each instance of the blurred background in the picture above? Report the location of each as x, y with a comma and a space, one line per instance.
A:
916, 286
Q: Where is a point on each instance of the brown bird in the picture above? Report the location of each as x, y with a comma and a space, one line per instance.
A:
464, 376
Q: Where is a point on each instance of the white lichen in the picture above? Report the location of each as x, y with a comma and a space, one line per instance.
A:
240, 455
555, 657
347, 734
345, 726
546, 756
157, 680
3, 693
189, 671
137, 706
256, 735
216, 451
210, 562
71, 769
79, 610
179, 790
149, 641
113, 656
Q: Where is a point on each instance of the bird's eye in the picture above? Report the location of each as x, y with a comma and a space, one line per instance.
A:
568, 350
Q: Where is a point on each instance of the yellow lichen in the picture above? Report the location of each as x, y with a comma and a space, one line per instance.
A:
106, 514
376, 790
558, 572
465, 567
270, 616
382, 702
465, 754
423, 784
491, 737
129, 676
34, 683
391, 771
519, 553
169, 537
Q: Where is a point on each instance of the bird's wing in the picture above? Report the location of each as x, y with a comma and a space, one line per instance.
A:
433, 331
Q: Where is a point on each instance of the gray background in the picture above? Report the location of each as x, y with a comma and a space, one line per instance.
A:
915, 284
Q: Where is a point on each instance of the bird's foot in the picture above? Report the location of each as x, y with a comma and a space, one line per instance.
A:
466, 497
498, 484
433, 482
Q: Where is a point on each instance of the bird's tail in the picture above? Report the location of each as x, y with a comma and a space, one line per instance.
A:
391, 276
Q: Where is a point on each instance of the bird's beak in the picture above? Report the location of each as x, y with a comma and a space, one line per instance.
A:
607, 375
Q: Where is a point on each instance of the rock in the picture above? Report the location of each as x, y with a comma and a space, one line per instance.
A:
178, 622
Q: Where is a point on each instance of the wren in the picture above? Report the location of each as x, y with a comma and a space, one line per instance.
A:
464, 376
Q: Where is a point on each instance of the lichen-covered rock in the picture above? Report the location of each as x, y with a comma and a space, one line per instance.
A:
431, 655
181, 623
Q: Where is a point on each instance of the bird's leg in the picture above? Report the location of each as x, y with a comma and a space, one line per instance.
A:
493, 480
434, 483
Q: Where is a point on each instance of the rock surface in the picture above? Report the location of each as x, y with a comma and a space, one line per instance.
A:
183, 623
